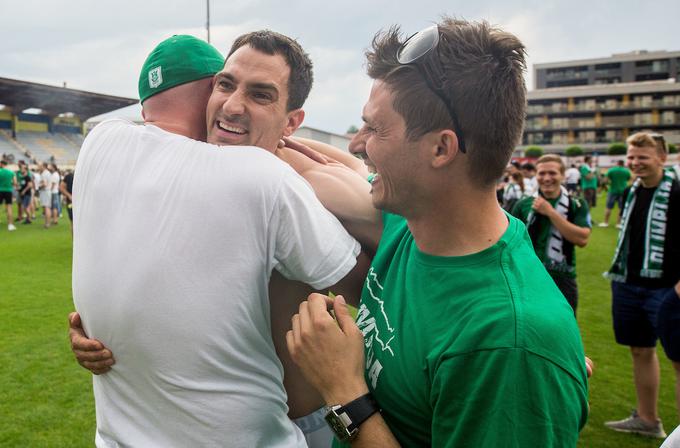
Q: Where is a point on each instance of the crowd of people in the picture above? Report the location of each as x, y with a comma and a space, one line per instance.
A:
40, 192
194, 320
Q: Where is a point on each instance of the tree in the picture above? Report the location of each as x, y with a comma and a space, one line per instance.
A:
533, 152
617, 149
352, 130
574, 151
672, 149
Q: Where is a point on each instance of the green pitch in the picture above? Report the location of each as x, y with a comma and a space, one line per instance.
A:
46, 398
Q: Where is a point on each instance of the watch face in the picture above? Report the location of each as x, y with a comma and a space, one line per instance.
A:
338, 426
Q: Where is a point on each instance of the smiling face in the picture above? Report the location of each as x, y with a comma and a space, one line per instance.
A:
387, 153
646, 162
549, 176
248, 102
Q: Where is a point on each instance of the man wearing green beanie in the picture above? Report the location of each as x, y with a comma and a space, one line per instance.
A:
174, 279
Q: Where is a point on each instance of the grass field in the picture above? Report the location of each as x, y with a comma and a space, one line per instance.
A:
46, 398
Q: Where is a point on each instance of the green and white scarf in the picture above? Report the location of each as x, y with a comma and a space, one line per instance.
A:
655, 233
556, 259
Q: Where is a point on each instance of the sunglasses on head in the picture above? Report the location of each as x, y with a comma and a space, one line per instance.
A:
414, 51
659, 139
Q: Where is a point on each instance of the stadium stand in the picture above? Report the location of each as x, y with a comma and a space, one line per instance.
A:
54, 133
10, 147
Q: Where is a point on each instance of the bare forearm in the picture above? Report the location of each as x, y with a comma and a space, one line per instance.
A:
571, 232
337, 154
374, 433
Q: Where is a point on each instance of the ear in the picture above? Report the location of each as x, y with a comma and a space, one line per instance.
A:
444, 148
143, 114
295, 118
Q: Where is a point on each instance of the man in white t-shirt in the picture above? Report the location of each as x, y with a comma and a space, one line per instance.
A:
55, 180
187, 310
45, 192
571, 178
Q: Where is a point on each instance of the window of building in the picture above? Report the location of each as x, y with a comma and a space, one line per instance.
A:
560, 138
608, 80
610, 104
567, 83
589, 104
608, 66
560, 123
586, 137
642, 119
651, 76
643, 101
668, 117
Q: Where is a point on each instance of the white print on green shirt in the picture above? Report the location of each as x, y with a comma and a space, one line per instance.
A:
375, 328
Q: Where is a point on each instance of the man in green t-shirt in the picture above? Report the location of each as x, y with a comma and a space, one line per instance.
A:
618, 177
556, 223
7, 184
588, 181
462, 338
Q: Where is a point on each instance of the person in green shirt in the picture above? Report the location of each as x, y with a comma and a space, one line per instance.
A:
618, 177
462, 338
556, 223
7, 185
588, 181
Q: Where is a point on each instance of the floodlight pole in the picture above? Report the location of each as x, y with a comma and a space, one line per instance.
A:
207, 23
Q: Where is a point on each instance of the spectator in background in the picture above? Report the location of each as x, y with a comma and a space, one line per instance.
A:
644, 275
571, 178
25, 190
529, 173
588, 181
618, 177
514, 190
45, 193
55, 181
21, 175
35, 196
556, 223
7, 184
66, 189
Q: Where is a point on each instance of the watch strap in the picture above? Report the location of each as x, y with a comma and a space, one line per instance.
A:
359, 410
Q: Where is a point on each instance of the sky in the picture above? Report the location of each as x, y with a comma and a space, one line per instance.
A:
99, 46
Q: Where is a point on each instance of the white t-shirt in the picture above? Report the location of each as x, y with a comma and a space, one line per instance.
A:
55, 179
174, 244
530, 185
36, 180
572, 176
46, 177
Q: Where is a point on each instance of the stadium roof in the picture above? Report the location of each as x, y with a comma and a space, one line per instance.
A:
21, 95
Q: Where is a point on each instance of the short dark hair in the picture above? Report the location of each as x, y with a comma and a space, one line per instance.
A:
271, 43
485, 70
529, 166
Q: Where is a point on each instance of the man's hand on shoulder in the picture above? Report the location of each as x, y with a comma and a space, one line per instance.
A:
329, 353
90, 353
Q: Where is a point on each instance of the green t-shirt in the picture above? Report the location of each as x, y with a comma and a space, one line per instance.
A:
585, 170
579, 215
473, 351
618, 179
6, 177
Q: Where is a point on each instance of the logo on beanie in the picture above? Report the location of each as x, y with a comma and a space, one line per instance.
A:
155, 77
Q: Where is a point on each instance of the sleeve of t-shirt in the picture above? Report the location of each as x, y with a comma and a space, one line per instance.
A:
581, 213
310, 243
505, 397
519, 211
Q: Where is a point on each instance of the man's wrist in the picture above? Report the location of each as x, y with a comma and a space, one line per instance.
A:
345, 395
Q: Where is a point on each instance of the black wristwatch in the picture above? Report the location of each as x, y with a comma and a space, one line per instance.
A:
344, 420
